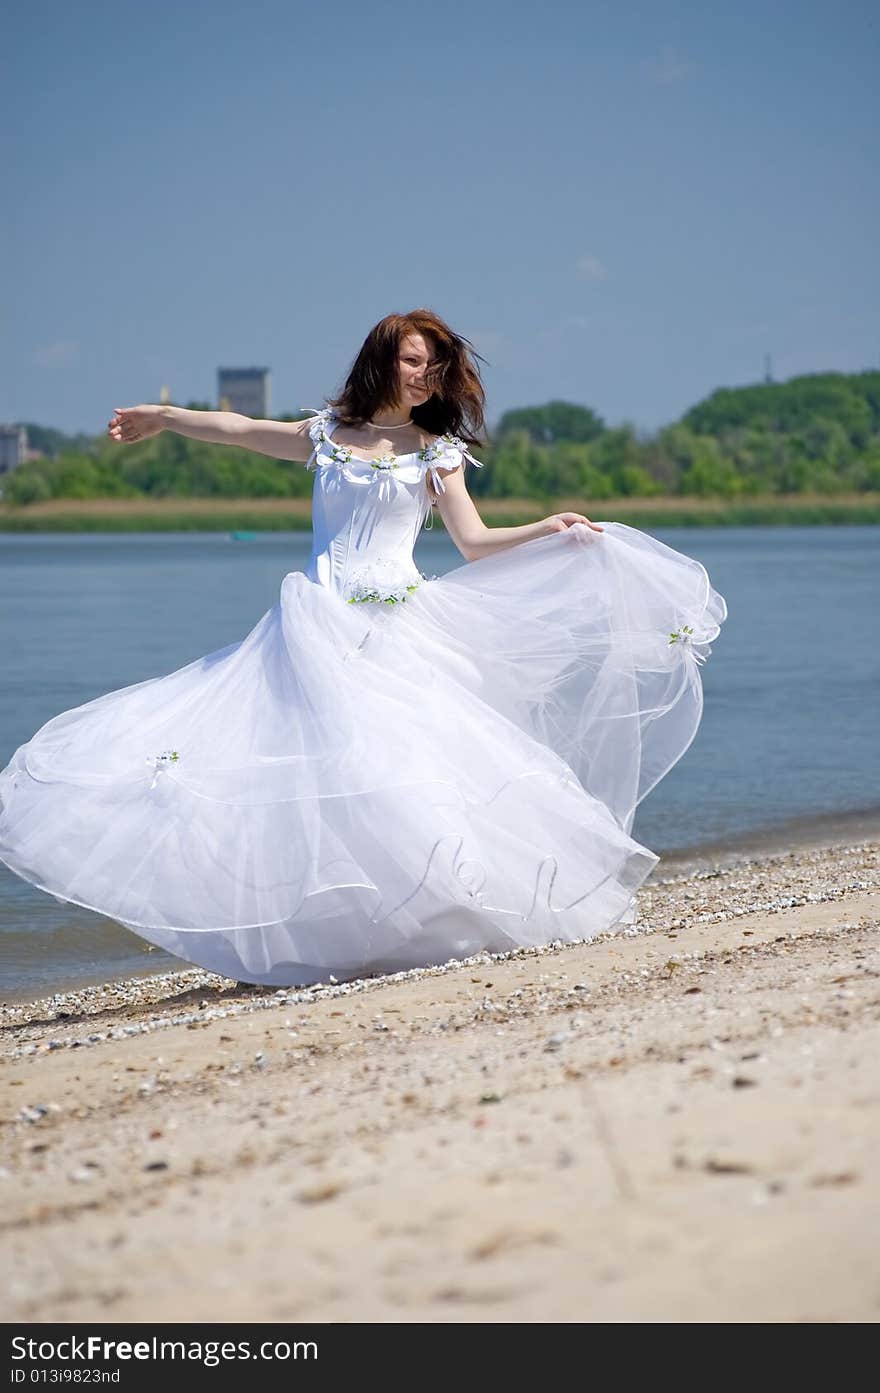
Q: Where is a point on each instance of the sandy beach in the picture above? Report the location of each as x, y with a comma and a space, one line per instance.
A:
679, 1122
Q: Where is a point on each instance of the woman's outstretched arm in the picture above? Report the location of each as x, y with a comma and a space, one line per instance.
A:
471, 535
280, 439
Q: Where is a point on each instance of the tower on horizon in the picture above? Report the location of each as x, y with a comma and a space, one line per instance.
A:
245, 390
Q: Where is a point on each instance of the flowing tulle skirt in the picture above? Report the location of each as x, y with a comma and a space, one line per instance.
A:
366, 787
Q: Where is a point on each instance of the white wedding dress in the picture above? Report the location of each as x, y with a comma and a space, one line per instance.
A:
389, 770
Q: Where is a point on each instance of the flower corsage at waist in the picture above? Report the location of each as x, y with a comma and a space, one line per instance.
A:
364, 594
383, 583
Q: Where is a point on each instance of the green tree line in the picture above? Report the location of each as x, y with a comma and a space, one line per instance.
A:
818, 433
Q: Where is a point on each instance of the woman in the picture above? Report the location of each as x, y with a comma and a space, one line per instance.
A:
389, 770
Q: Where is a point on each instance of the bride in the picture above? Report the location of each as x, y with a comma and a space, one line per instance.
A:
390, 770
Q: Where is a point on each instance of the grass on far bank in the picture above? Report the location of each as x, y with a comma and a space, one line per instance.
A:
294, 514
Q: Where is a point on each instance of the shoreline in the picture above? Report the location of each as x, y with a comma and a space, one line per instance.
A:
675, 1122
798, 832
294, 514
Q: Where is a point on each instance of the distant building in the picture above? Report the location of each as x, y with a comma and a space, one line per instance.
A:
13, 447
245, 390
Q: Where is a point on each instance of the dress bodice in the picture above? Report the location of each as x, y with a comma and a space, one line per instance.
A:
367, 513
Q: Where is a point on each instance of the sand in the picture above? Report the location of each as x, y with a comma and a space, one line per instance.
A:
678, 1123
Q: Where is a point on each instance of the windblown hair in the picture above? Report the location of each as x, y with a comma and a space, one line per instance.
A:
457, 400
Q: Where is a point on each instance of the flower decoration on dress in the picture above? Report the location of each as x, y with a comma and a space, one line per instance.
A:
684, 638
318, 432
432, 455
383, 582
364, 594
383, 474
160, 762
436, 455
443, 445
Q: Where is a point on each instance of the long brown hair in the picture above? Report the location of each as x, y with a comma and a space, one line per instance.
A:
457, 400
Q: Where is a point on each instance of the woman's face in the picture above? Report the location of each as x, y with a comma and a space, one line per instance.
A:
416, 353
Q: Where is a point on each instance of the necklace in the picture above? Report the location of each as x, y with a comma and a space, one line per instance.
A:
380, 425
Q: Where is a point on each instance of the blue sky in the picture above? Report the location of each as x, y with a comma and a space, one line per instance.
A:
622, 204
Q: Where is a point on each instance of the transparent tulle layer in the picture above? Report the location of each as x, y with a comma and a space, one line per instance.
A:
357, 788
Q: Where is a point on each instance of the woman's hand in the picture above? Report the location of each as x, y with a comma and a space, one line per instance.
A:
559, 522
132, 423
